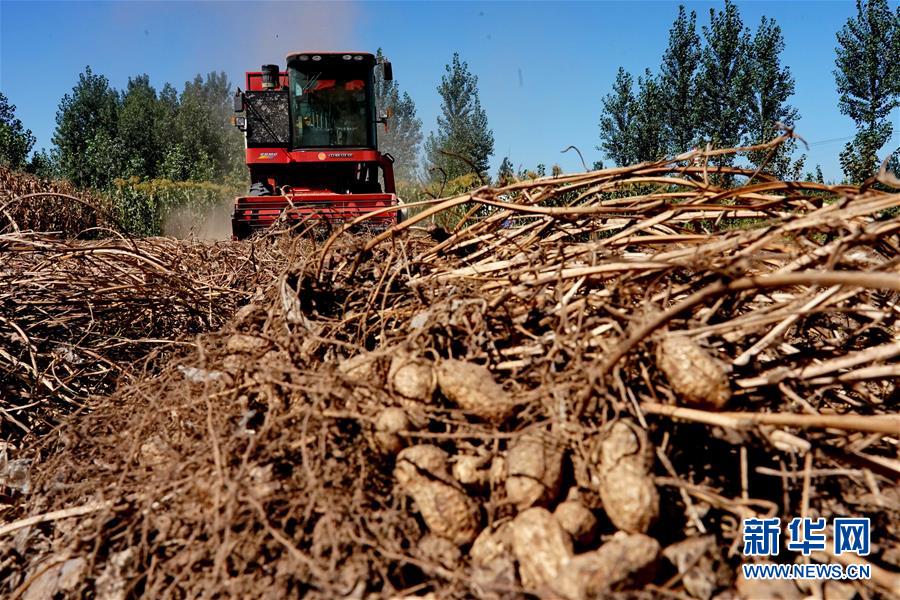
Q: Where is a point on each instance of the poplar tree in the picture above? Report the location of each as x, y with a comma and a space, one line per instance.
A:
771, 86
649, 127
868, 81
724, 81
463, 141
174, 163
402, 135
617, 121
15, 141
677, 73
506, 173
86, 130
138, 115
211, 147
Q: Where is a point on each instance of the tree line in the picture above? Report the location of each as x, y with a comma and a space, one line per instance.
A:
103, 134
723, 85
729, 88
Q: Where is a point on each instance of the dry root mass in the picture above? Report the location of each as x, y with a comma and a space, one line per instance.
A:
579, 392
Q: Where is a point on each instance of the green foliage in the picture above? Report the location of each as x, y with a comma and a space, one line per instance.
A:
505, 174
451, 217
649, 131
43, 164
102, 134
679, 66
771, 86
168, 137
859, 158
728, 90
177, 165
149, 152
463, 141
143, 205
633, 127
402, 136
138, 114
410, 193
103, 158
86, 125
15, 141
617, 121
868, 81
210, 146
724, 81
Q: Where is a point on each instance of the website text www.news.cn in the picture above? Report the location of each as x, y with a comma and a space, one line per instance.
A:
762, 538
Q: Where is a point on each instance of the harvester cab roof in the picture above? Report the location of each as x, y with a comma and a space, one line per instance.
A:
312, 143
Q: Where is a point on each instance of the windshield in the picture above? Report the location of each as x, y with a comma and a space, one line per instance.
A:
330, 105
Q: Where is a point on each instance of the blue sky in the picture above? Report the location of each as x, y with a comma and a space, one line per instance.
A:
543, 67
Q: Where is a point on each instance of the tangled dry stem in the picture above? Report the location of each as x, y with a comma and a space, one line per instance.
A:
244, 451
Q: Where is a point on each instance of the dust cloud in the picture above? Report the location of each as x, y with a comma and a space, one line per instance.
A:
213, 223
281, 28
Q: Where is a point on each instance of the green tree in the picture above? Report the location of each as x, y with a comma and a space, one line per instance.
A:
42, 164
174, 163
103, 158
771, 87
86, 125
868, 81
402, 135
207, 148
617, 121
506, 173
723, 82
195, 134
893, 162
648, 132
138, 116
679, 66
462, 126
15, 141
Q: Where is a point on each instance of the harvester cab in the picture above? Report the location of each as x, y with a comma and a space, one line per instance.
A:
311, 143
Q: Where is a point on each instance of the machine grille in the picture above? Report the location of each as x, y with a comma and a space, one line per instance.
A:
268, 118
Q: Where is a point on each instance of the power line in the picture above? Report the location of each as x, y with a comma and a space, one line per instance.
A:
830, 141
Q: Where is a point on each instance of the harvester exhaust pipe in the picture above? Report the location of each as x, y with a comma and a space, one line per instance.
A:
270, 79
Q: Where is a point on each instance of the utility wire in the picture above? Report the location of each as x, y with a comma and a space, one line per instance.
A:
830, 141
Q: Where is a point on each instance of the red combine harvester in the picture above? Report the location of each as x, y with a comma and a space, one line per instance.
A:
311, 143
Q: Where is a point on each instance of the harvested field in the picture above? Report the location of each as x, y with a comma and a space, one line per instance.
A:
580, 392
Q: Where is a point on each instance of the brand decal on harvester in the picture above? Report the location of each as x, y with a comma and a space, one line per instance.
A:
267, 155
340, 155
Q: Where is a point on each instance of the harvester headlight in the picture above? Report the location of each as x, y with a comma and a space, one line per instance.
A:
304, 57
317, 57
357, 58
346, 57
